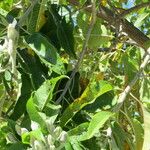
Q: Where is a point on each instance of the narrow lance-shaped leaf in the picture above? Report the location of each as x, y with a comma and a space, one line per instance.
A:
95, 124
93, 90
46, 51
36, 17
64, 32
146, 144
138, 129
34, 114
42, 47
44, 94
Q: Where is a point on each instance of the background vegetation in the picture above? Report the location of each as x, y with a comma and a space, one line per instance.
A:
74, 74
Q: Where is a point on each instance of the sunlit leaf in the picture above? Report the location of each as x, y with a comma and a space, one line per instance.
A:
95, 124
146, 144
121, 137
46, 51
45, 93
140, 19
34, 114
43, 47
79, 129
138, 129
93, 90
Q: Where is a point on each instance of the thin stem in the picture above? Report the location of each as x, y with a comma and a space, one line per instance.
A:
2, 102
127, 90
133, 9
28, 11
84, 49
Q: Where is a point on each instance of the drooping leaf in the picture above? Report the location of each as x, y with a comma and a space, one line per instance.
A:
32, 65
26, 90
42, 47
65, 36
93, 90
95, 124
121, 137
34, 114
36, 17
45, 93
64, 31
138, 129
140, 19
46, 51
146, 144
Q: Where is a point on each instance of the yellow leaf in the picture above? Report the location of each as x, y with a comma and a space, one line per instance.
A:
99, 76
30, 51
104, 2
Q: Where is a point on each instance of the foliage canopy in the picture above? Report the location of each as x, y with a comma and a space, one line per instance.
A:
74, 74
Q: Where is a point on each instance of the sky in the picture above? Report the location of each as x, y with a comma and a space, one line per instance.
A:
130, 4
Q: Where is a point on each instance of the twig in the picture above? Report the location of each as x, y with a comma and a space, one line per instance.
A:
28, 11
134, 33
127, 90
84, 49
135, 8
2, 100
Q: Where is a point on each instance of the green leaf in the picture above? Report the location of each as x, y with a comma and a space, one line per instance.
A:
45, 93
97, 122
34, 114
138, 131
64, 31
144, 90
130, 67
75, 143
26, 90
42, 47
35, 17
17, 145
99, 35
36, 134
46, 51
140, 19
79, 129
146, 144
121, 137
93, 90
65, 36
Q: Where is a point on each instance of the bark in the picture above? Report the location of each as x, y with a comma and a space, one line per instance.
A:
134, 33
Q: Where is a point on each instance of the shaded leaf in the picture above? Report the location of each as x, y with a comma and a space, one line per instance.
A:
36, 17
121, 137
64, 31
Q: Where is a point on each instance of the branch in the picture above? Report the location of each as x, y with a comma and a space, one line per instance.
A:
84, 49
135, 8
134, 33
28, 11
132, 83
